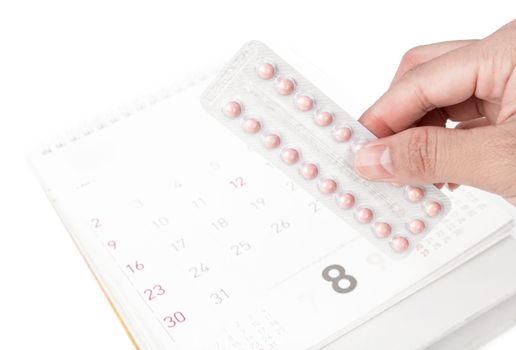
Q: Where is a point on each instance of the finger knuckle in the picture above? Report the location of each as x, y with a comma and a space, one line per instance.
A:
412, 58
502, 163
496, 61
413, 55
504, 144
422, 152
491, 162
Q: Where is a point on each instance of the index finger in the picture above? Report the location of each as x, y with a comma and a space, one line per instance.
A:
445, 80
420, 54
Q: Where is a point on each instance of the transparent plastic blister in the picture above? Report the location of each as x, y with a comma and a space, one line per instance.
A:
281, 115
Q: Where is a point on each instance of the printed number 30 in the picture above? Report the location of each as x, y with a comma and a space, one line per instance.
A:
173, 320
341, 275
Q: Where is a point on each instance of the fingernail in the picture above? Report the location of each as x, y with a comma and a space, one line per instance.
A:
452, 187
374, 162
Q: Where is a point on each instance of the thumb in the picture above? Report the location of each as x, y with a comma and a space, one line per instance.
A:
425, 155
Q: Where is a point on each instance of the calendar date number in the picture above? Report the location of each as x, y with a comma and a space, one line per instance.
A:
336, 274
173, 320
154, 292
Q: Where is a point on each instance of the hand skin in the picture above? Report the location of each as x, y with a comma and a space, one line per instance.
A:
472, 82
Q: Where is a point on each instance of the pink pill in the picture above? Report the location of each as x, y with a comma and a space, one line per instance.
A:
416, 226
309, 171
271, 140
364, 215
342, 134
304, 102
432, 208
323, 118
232, 109
415, 194
382, 229
345, 200
290, 156
285, 86
251, 125
265, 71
399, 244
328, 186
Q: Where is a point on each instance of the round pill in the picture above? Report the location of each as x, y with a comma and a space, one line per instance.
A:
309, 171
290, 156
328, 186
285, 86
323, 118
415, 194
342, 134
271, 140
265, 70
304, 102
432, 208
232, 109
251, 125
382, 229
416, 226
364, 215
345, 200
399, 244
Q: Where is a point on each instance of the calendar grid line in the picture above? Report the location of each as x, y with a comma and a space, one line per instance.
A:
134, 287
321, 258
207, 235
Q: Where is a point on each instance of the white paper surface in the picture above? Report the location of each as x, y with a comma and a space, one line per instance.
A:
193, 234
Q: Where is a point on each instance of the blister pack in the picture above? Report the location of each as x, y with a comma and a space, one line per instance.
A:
296, 127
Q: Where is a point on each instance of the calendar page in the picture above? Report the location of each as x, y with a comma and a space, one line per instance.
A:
200, 244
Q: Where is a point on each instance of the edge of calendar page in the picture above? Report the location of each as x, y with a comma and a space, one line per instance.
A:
135, 334
476, 315
96, 125
91, 266
469, 254
310, 71
125, 326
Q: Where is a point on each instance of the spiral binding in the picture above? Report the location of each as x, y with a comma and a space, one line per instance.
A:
127, 112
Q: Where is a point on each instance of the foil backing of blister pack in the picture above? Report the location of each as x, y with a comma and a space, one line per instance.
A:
296, 127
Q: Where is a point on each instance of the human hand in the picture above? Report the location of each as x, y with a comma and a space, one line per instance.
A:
472, 82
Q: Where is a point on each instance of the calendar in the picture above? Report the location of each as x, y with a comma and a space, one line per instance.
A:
200, 244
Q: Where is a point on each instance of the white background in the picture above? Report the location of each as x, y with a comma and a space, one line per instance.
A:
63, 62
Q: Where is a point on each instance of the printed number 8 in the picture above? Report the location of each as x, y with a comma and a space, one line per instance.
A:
341, 276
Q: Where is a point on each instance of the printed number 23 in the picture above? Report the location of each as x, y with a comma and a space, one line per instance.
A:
153, 293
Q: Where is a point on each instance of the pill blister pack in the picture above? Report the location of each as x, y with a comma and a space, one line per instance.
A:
296, 127
190, 237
